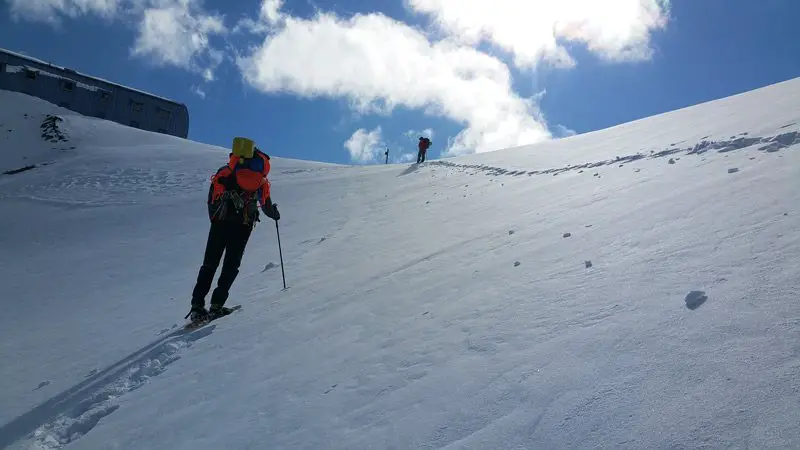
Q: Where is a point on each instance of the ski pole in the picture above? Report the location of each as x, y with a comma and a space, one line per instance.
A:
280, 251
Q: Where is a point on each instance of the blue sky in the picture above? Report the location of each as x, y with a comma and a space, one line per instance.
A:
341, 81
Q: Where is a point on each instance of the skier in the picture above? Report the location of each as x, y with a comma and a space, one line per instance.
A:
234, 195
424, 144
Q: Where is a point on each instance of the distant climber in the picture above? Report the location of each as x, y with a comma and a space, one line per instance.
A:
424, 144
234, 196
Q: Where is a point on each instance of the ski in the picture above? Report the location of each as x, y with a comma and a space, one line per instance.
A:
206, 321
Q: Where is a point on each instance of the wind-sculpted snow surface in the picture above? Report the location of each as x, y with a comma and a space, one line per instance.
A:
635, 287
107, 185
769, 144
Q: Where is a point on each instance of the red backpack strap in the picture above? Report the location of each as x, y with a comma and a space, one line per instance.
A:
264, 190
217, 188
233, 161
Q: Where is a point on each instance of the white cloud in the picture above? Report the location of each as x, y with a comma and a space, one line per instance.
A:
170, 32
197, 90
415, 135
269, 15
52, 10
378, 63
177, 33
270, 11
616, 30
405, 158
365, 146
561, 131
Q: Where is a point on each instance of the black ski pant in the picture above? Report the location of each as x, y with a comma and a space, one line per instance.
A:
230, 238
421, 156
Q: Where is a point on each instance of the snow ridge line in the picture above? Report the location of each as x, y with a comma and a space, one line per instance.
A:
70, 415
771, 144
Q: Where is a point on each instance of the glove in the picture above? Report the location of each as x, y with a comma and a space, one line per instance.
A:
271, 210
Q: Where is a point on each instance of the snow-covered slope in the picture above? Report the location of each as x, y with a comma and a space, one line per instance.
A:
636, 287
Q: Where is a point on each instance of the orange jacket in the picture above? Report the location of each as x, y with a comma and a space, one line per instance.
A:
246, 178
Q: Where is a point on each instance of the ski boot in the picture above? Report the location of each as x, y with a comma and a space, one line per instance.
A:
217, 311
197, 314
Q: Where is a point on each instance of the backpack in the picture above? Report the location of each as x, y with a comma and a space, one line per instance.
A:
424, 143
237, 188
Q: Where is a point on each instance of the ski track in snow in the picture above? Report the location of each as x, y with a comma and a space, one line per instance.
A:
771, 144
70, 415
105, 188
